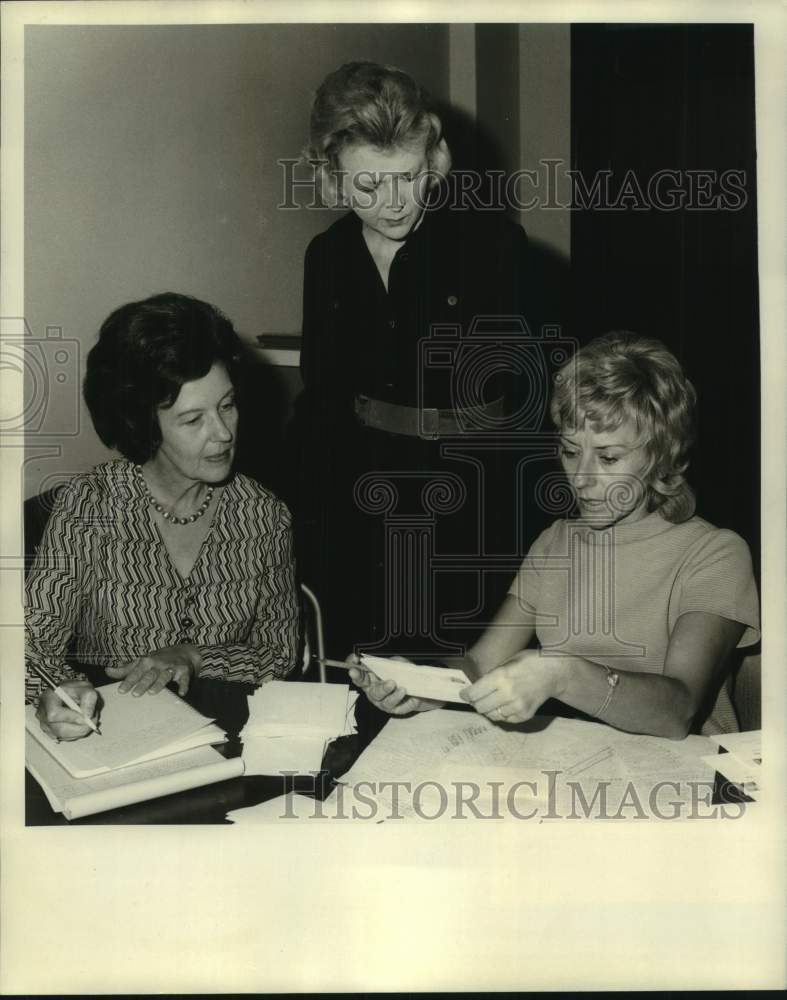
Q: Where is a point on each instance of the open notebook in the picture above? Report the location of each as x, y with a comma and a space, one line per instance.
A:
133, 731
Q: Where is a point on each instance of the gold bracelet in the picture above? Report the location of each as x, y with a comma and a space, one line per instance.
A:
613, 679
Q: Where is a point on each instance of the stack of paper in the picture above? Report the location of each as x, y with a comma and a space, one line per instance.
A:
291, 723
133, 731
77, 797
742, 763
148, 747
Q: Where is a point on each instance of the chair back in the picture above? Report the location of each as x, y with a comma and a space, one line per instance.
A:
37, 510
747, 691
313, 633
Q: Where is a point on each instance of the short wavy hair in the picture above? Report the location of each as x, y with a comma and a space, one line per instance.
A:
146, 351
619, 377
369, 104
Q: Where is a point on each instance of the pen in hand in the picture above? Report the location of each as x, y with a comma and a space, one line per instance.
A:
65, 697
67, 700
342, 664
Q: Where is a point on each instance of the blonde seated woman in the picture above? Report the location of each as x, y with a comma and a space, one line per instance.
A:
636, 603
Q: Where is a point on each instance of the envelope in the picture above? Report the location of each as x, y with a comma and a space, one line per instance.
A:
419, 680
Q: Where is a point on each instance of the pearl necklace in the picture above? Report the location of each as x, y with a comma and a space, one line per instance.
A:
166, 514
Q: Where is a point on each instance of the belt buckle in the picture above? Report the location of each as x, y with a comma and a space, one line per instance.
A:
430, 423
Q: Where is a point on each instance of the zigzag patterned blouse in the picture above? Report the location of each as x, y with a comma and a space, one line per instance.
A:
103, 579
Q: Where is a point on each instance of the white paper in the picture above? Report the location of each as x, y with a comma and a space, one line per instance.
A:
283, 808
418, 680
133, 730
273, 755
567, 760
494, 784
437, 718
292, 708
747, 747
747, 741
737, 771
76, 797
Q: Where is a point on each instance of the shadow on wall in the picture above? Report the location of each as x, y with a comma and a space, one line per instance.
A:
475, 149
265, 409
270, 390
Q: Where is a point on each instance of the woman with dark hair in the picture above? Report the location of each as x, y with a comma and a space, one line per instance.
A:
163, 565
636, 603
409, 289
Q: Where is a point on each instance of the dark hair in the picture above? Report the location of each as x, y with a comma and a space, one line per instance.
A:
145, 352
620, 376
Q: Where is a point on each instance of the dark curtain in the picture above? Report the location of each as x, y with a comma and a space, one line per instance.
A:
675, 257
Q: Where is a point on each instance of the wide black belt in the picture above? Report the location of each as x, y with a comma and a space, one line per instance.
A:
424, 422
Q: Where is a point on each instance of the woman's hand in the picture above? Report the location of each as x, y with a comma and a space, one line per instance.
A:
61, 722
385, 695
153, 672
514, 691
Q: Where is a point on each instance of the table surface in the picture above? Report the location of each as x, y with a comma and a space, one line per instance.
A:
209, 804
228, 705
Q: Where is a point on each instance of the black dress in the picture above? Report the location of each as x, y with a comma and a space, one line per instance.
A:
395, 532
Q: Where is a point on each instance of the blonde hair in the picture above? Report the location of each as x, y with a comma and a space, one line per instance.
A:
619, 377
380, 106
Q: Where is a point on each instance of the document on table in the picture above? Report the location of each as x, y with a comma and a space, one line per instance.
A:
568, 759
650, 758
300, 708
133, 730
742, 763
291, 722
280, 809
736, 772
281, 754
747, 747
76, 797
412, 749
438, 683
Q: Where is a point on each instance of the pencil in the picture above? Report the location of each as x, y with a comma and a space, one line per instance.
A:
341, 664
64, 696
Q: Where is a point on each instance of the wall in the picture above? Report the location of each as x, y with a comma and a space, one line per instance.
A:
150, 164
679, 263
523, 75
545, 125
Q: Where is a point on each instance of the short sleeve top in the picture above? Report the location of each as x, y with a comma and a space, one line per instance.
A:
614, 596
